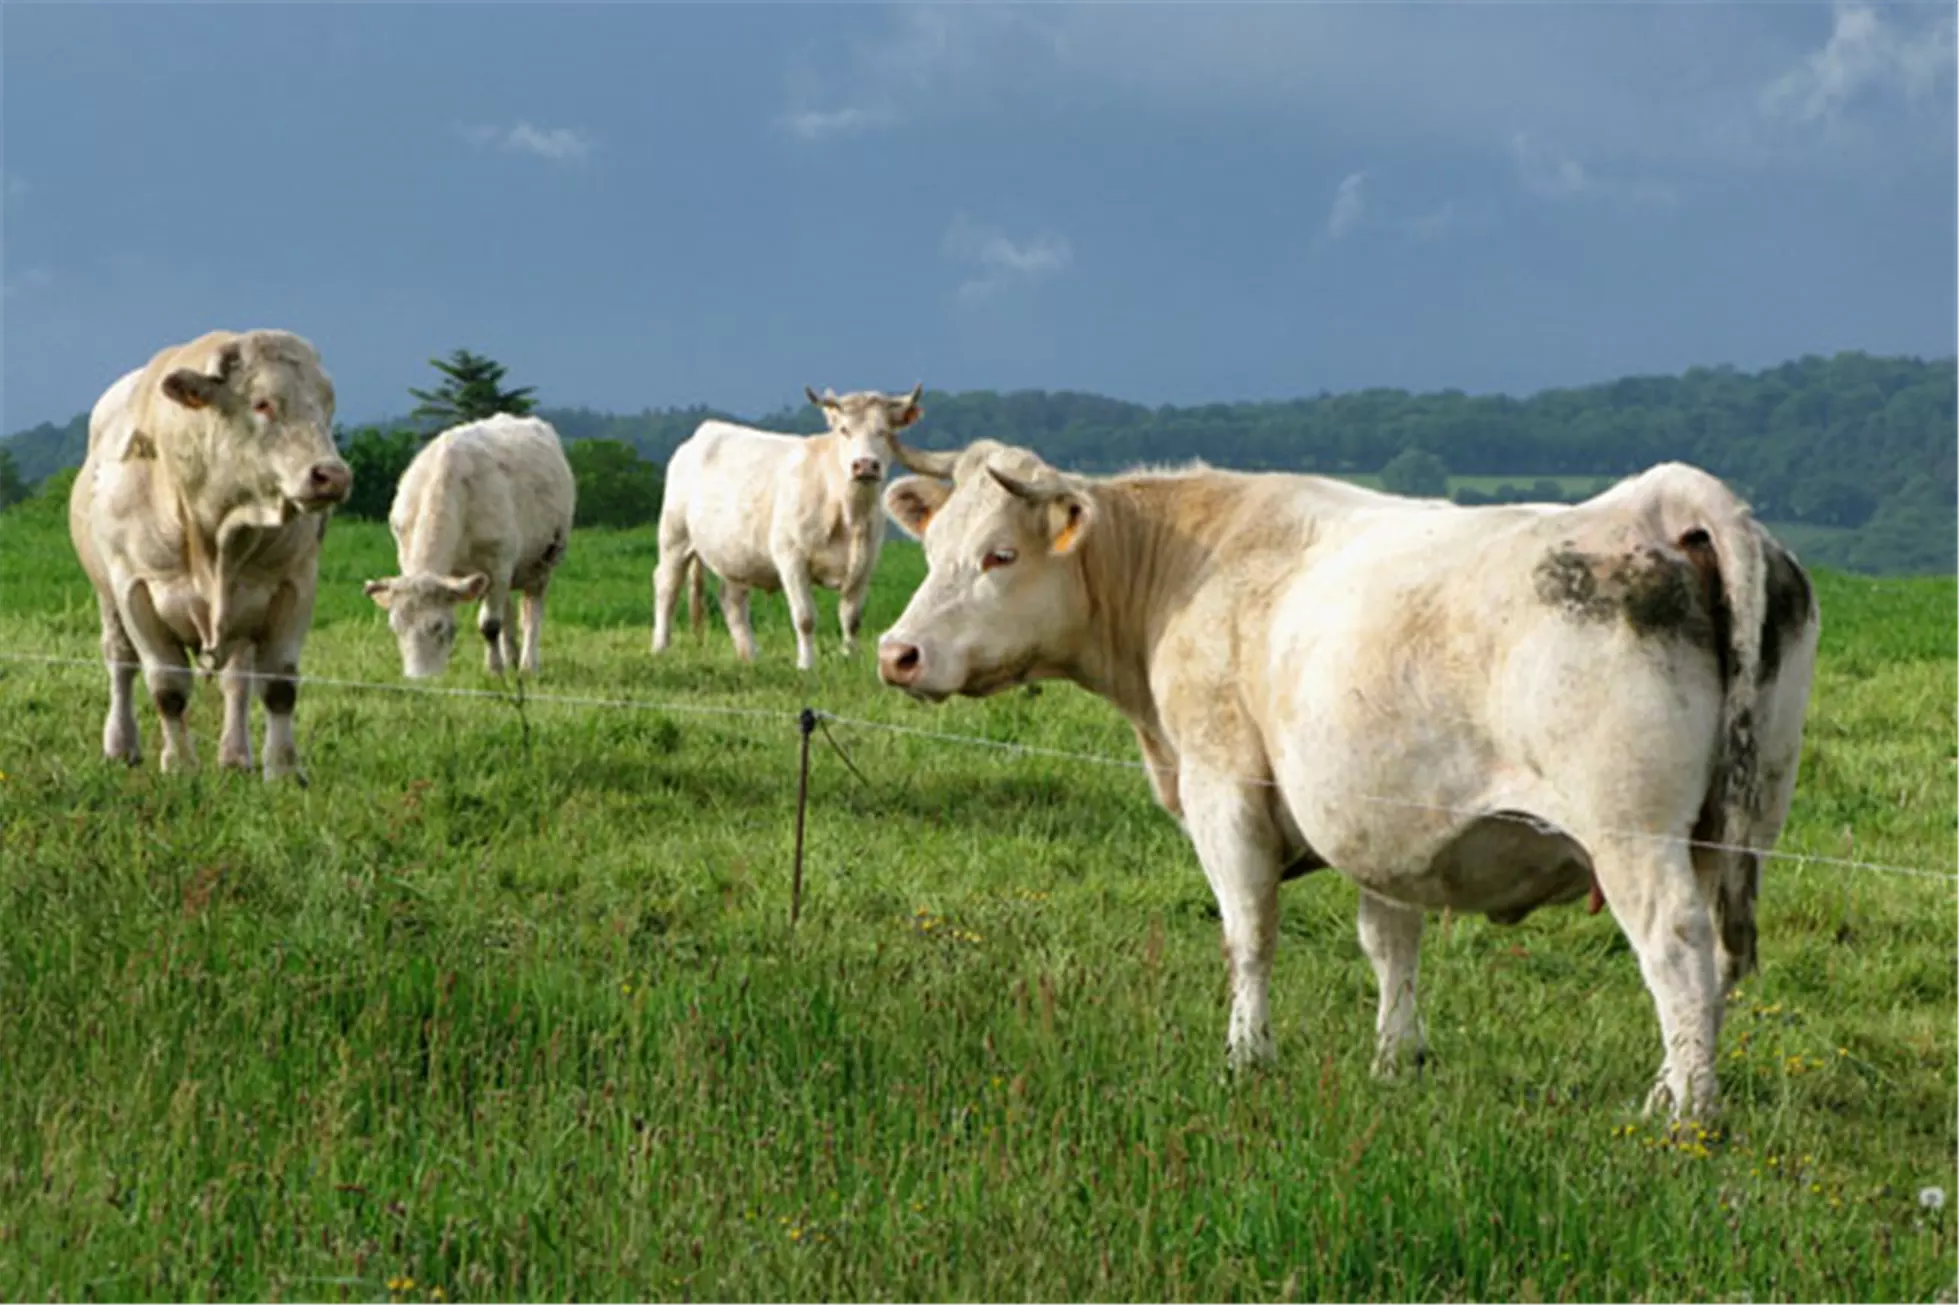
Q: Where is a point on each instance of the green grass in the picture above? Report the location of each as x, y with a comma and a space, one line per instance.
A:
530, 1022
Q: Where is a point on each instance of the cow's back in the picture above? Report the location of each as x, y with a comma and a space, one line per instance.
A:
494, 489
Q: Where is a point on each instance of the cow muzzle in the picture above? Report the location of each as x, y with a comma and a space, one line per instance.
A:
867, 469
327, 483
900, 664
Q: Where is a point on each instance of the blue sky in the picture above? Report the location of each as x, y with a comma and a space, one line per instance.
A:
644, 205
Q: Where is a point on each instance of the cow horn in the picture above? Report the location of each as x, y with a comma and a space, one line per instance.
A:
1018, 488
923, 463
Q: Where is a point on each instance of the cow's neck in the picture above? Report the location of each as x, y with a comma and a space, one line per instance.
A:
1141, 565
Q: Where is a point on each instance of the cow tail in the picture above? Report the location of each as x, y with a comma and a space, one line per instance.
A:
695, 604
1736, 574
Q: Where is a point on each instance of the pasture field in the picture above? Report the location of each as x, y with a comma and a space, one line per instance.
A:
480, 1017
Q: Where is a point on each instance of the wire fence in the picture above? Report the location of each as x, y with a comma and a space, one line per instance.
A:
808, 719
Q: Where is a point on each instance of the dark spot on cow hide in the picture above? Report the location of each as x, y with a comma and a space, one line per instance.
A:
1657, 594
1787, 608
1661, 598
280, 695
1565, 579
1699, 548
171, 702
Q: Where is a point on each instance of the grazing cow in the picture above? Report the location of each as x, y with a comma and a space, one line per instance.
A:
1479, 709
767, 511
484, 509
198, 515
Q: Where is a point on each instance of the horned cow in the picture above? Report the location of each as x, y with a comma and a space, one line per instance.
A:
769, 511
1486, 710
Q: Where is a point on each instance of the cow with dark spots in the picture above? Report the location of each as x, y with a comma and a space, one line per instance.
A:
1489, 710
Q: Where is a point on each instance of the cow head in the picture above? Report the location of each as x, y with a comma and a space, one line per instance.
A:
867, 424
422, 613
1004, 601
266, 410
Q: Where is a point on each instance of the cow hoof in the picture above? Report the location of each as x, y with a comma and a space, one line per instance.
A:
1389, 1064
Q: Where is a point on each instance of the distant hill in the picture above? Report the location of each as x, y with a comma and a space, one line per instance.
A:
1857, 449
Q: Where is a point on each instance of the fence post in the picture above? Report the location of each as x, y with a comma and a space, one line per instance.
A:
807, 724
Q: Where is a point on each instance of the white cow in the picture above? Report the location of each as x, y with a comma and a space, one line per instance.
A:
1486, 710
198, 515
484, 509
768, 511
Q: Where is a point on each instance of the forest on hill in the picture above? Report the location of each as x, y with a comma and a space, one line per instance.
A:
1857, 449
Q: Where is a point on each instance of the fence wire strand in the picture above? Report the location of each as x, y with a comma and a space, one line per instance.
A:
1013, 750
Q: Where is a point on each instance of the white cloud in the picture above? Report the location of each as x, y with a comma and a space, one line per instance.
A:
1549, 173
1545, 171
817, 124
1002, 262
1349, 206
559, 144
1865, 56
1435, 223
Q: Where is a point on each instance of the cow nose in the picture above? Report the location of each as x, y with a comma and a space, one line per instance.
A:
898, 663
867, 469
329, 481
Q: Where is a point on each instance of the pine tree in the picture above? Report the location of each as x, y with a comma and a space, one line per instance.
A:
470, 391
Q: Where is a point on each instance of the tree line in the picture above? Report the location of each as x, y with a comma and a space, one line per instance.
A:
1860, 447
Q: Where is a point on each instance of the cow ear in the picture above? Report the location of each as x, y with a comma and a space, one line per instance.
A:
1069, 517
192, 389
913, 501
468, 588
381, 591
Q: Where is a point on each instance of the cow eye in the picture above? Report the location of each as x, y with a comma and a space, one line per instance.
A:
998, 557
263, 407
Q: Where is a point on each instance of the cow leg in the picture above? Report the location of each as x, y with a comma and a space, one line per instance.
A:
801, 593
1651, 888
532, 605
287, 620
734, 610
1239, 849
668, 575
235, 741
511, 657
121, 739
1391, 935
850, 610
491, 618
167, 672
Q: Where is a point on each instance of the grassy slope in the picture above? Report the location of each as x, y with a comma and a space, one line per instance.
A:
517, 1025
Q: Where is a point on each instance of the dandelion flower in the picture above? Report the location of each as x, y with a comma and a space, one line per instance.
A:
1931, 1198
